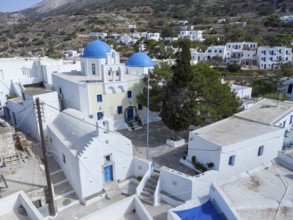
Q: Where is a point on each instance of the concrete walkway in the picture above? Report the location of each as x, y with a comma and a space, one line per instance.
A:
159, 151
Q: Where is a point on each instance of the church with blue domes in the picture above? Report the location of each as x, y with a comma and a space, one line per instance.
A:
105, 89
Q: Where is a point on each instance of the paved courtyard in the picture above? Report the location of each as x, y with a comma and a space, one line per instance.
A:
159, 151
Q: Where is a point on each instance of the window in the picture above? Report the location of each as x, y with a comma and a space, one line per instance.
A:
129, 94
139, 106
99, 98
119, 110
94, 69
64, 159
232, 160
260, 150
108, 158
91, 116
100, 115
60, 90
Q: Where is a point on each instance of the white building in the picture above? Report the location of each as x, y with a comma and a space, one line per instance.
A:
273, 57
17, 72
241, 91
151, 36
105, 89
89, 155
241, 46
212, 51
197, 56
22, 113
192, 35
286, 87
98, 35
287, 19
244, 141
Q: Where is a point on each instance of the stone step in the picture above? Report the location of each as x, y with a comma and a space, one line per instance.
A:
147, 200
57, 177
63, 189
149, 189
66, 201
147, 193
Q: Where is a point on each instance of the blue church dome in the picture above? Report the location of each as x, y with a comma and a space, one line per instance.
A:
96, 49
139, 59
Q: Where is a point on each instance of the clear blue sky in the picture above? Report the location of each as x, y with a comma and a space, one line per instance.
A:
16, 5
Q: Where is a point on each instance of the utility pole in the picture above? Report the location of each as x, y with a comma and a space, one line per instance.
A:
148, 116
44, 149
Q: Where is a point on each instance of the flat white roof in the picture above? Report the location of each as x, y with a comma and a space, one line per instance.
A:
266, 111
257, 195
233, 130
76, 77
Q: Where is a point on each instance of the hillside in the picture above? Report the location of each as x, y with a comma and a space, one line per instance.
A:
64, 24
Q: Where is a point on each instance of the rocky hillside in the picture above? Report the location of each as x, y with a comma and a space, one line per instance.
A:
65, 24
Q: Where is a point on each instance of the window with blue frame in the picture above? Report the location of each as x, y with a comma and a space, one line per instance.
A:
129, 94
99, 98
100, 115
232, 160
119, 110
260, 150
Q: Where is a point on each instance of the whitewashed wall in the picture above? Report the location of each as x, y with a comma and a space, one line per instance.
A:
218, 197
246, 153
204, 150
119, 209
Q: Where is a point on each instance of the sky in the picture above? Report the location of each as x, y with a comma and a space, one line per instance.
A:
16, 5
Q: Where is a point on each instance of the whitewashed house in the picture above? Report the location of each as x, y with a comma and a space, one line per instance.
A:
242, 92
17, 72
193, 35
286, 87
98, 35
20, 71
197, 56
244, 141
212, 51
152, 36
287, 18
273, 57
22, 112
105, 89
89, 155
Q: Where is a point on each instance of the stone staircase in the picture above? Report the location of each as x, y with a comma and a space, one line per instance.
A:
64, 195
136, 126
147, 194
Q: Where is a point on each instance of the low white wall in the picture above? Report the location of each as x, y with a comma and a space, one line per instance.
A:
14, 201
157, 195
141, 210
140, 166
142, 183
186, 187
121, 208
176, 183
218, 197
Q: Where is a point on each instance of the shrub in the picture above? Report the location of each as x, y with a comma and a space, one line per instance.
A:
139, 178
193, 160
210, 165
234, 67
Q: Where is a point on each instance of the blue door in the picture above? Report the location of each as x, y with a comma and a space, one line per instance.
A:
130, 113
108, 173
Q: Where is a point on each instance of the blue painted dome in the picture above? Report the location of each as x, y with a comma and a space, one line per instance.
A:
96, 49
139, 59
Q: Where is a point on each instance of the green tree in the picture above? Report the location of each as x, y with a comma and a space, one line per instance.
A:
178, 105
186, 94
